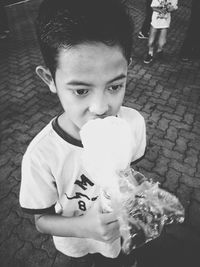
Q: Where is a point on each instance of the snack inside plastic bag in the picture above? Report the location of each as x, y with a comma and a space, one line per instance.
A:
142, 207
146, 208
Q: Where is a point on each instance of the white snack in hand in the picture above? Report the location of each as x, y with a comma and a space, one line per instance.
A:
108, 148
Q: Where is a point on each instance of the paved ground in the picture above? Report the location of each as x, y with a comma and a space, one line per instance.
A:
167, 93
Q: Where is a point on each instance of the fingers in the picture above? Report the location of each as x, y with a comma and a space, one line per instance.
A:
105, 225
110, 227
96, 207
113, 227
108, 218
111, 232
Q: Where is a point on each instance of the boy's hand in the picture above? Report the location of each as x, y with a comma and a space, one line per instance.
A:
100, 226
94, 224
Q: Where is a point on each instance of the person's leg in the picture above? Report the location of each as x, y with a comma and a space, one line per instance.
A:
162, 38
193, 31
152, 36
151, 41
3, 18
3, 22
188, 44
147, 21
191, 40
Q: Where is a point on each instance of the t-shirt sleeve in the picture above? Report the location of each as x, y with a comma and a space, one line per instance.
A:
156, 3
38, 192
139, 129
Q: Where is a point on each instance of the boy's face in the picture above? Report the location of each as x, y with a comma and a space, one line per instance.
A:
90, 82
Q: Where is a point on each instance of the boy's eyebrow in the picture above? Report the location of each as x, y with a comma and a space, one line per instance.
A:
80, 83
119, 77
77, 83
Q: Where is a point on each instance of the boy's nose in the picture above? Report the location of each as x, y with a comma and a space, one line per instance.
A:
99, 107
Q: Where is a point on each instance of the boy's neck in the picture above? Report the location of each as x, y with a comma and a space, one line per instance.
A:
66, 125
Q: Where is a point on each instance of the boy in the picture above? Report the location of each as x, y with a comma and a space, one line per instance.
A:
86, 45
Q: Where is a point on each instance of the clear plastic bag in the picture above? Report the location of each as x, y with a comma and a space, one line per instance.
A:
144, 209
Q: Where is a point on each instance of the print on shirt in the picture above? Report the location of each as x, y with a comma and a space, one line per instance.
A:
85, 184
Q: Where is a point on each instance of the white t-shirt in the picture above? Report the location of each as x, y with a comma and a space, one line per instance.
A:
161, 21
53, 179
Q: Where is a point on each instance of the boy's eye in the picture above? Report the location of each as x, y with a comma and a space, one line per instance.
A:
115, 88
81, 92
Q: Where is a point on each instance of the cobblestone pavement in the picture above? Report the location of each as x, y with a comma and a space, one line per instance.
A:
167, 93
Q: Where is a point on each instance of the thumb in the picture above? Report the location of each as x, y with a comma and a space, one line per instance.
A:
101, 205
96, 207
105, 204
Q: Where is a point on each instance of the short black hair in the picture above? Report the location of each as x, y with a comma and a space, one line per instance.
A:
66, 23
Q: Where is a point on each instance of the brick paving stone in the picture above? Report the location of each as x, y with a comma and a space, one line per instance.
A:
171, 154
8, 225
172, 133
172, 180
190, 180
196, 194
184, 194
32, 257
194, 213
11, 245
191, 160
166, 93
181, 144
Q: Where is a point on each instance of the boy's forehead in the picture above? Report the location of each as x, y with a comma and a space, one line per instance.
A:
84, 57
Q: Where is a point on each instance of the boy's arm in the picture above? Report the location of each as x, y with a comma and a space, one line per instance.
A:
38, 192
94, 224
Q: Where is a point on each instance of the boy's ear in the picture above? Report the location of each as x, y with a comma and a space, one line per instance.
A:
46, 76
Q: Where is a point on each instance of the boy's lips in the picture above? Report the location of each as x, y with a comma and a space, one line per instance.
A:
101, 116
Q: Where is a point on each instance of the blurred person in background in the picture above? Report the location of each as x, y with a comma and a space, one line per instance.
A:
144, 32
4, 30
191, 44
160, 22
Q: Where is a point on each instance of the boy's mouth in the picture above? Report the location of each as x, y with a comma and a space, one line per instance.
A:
101, 116
98, 117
